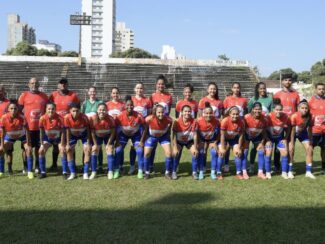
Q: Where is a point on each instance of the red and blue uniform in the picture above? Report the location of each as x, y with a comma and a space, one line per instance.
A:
289, 101
14, 128
102, 128
232, 130
158, 130
276, 128
317, 110
254, 128
78, 128
115, 108
208, 131
142, 105
239, 102
301, 126
164, 99
52, 128
216, 105
64, 101
185, 132
181, 103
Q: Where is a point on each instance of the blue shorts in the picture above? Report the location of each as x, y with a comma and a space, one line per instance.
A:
278, 142
153, 141
51, 141
303, 136
74, 139
233, 142
254, 140
35, 138
124, 138
8, 139
319, 140
188, 144
102, 140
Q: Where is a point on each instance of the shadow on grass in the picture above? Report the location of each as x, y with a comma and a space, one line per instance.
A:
176, 218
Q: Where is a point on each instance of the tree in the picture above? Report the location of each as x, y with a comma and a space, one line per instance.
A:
134, 53
304, 76
318, 72
68, 54
276, 74
223, 57
44, 52
23, 49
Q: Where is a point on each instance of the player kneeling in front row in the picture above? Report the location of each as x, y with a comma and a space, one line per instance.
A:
278, 130
51, 133
13, 127
102, 131
184, 134
77, 128
301, 123
130, 125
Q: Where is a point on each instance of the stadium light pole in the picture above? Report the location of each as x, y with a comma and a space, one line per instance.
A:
80, 19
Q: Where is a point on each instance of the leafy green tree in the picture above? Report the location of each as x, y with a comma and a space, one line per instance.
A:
134, 53
224, 57
276, 74
304, 76
23, 49
318, 72
68, 54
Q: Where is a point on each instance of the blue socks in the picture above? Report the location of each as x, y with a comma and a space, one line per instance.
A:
64, 162
2, 164
168, 162
110, 162
139, 153
146, 163
284, 164
42, 164
93, 161
71, 165
214, 158
133, 155
201, 160
29, 164
238, 165
260, 160
290, 167
268, 164
86, 167
308, 168
194, 164
244, 160
219, 164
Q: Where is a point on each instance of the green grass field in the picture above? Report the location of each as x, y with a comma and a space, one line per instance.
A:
129, 210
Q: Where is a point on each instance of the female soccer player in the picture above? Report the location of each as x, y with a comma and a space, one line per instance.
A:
301, 123
185, 134
158, 128
234, 99
143, 106
208, 130
77, 128
213, 99
130, 125
278, 130
51, 133
187, 100
102, 128
13, 127
255, 123
115, 106
163, 98
232, 136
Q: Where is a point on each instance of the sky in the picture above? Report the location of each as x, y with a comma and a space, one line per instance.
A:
269, 34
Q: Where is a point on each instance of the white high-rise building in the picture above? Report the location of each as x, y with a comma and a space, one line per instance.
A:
97, 39
124, 38
18, 32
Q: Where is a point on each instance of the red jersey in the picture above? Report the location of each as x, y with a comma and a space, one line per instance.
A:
78, 126
208, 130
185, 132
52, 127
276, 126
254, 127
129, 125
63, 101
34, 107
192, 103
299, 122
232, 129
216, 105
14, 127
289, 101
317, 109
158, 128
239, 102
115, 108
142, 105
3, 106
164, 99
102, 128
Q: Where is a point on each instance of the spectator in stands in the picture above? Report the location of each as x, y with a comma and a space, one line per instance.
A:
317, 110
89, 108
266, 101
33, 103
289, 99
62, 98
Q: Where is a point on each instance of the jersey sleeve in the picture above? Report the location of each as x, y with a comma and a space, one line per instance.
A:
223, 125
178, 107
41, 122
201, 104
21, 99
